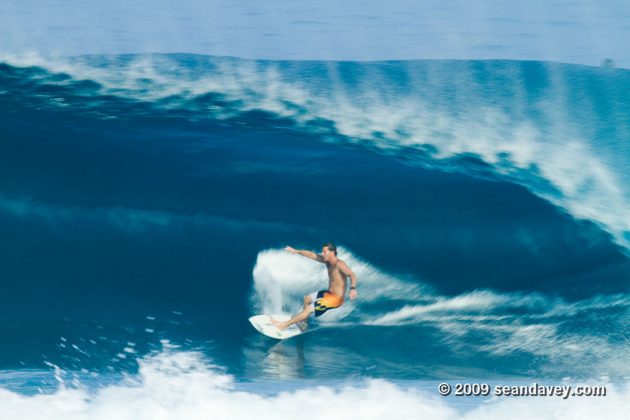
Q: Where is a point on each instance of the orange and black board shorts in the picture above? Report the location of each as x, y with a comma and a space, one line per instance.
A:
324, 300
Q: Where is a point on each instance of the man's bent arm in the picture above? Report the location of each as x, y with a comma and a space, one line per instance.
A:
307, 254
347, 272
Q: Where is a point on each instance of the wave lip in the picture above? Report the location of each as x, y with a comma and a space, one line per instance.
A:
559, 130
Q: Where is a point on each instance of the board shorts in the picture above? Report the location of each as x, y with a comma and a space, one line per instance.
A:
324, 300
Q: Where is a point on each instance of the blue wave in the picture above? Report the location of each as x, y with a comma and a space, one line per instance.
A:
558, 129
138, 194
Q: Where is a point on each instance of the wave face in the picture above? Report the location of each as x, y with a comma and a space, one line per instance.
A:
560, 130
143, 198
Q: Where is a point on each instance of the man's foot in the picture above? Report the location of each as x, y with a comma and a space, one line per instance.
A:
279, 325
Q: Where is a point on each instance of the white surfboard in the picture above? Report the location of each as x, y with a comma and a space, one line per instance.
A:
263, 324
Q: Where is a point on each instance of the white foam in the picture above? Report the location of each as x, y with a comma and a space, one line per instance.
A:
486, 302
183, 385
504, 324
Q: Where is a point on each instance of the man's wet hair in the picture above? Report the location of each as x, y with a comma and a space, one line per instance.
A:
331, 247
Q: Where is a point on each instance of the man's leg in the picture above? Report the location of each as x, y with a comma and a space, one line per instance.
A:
306, 311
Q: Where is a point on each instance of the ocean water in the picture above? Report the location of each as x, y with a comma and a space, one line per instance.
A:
574, 31
145, 201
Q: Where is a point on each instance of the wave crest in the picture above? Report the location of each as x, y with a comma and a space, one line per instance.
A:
542, 125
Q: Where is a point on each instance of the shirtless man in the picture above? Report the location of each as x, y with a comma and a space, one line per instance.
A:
320, 302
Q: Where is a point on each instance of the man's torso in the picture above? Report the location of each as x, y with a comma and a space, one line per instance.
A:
336, 280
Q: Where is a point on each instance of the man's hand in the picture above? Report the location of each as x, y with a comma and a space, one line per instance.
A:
290, 249
353, 294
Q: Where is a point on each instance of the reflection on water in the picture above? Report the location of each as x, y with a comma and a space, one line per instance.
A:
285, 359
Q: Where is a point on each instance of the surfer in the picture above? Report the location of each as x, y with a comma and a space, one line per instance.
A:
322, 301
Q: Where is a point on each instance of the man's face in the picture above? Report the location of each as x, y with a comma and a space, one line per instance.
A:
326, 253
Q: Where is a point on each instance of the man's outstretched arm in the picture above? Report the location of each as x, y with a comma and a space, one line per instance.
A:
304, 253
